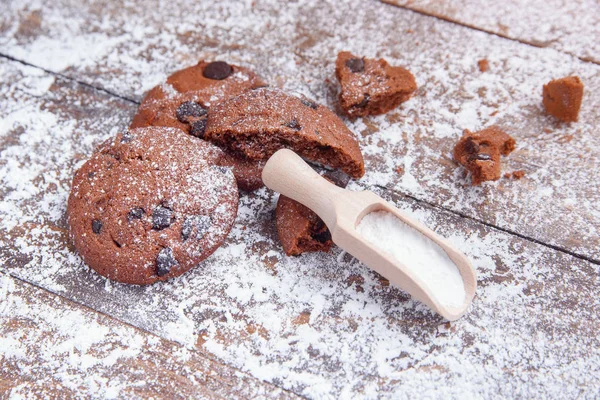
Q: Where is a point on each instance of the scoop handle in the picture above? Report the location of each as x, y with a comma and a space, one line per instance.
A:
285, 172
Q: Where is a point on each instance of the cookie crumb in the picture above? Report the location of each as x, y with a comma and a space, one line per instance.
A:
483, 64
562, 98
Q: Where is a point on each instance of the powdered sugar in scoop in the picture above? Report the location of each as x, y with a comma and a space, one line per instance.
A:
425, 259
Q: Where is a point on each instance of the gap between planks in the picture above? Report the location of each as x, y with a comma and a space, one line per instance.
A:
476, 28
118, 320
393, 190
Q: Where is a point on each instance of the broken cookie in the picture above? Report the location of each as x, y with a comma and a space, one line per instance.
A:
371, 86
479, 152
259, 122
300, 230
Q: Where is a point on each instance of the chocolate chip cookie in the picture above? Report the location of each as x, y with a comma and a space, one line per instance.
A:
479, 152
184, 100
142, 210
371, 86
259, 122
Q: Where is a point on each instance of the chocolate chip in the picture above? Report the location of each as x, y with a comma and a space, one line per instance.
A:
217, 70
165, 261
471, 146
198, 128
162, 217
356, 64
310, 104
188, 111
200, 223
322, 234
222, 169
135, 213
126, 137
364, 101
483, 157
96, 226
91, 174
293, 124
338, 178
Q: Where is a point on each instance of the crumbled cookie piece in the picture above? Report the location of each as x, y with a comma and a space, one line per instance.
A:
562, 98
515, 174
259, 122
483, 65
479, 152
371, 86
300, 230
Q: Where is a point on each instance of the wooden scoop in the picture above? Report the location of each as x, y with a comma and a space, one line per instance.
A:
342, 210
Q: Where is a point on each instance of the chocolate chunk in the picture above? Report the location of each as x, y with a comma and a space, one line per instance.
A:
188, 111
200, 223
470, 146
126, 137
91, 174
337, 177
356, 64
322, 237
198, 128
293, 124
364, 102
217, 70
165, 261
310, 104
96, 226
135, 213
162, 217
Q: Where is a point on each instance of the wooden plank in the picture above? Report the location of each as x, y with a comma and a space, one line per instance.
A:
569, 26
408, 150
321, 324
52, 347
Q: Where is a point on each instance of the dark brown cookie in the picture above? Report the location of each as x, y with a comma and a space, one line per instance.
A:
142, 210
300, 230
183, 102
562, 98
479, 152
371, 86
259, 122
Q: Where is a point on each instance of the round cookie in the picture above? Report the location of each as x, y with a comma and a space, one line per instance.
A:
142, 210
184, 100
259, 122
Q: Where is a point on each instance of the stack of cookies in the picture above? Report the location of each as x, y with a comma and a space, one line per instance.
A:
153, 202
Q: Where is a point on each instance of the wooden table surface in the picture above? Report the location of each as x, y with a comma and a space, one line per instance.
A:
250, 322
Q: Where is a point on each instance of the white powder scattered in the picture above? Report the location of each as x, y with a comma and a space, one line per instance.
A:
418, 253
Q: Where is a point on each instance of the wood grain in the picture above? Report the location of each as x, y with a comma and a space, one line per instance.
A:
322, 324
568, 26
55, 348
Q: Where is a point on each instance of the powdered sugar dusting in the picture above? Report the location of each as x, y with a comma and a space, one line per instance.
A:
323, 325
570, 26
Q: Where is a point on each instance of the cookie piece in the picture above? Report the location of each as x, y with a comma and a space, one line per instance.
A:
479, 152
183, 102
300, 230
562, 98
142, 210
371, 86
259, 122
